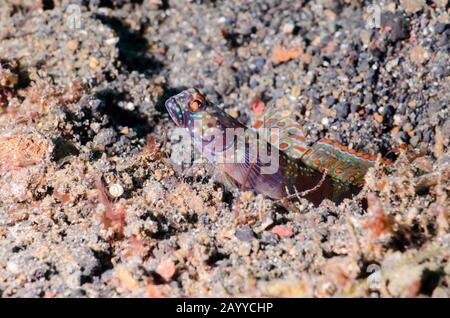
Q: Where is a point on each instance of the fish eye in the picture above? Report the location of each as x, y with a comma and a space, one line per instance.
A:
197, 103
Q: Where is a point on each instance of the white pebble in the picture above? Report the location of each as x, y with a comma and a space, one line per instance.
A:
288, 28
115, 190
13, 267
129, 106
112, 41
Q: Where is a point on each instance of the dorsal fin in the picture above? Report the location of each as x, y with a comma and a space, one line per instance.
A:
342, 164
291, 139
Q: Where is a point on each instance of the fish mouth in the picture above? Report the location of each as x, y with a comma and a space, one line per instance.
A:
174, 111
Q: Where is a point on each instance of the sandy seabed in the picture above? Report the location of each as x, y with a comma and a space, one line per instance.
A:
92, 206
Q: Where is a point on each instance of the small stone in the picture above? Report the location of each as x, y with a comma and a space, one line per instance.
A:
391, 7
125, 131
415, 140
342, 110
247, 196
166, 269
288, 28
408, 127
307, 58
379, 118
244, 234
244, 249
412, 104
260, 62
153, 192
234, 113
73, 280
441, 27
365, 36
423, 163
13, 267
125, 278
129, 106
93, 63
397, 24
105, 137
283, 230
115, 190
296, 91
112, 41
412, 6
418, 54
72, 45
395, 131
281, 54
329, 14
269, 238
330, 101
438, 143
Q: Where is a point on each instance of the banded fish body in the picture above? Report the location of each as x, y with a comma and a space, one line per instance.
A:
283, 167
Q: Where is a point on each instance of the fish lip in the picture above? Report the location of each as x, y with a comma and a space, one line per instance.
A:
171, 105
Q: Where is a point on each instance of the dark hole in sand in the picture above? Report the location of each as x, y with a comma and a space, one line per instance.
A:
216, 257
104, 264
63, 148
116, 4
133, 47
430, 280
120, 117
413, 237
48, 4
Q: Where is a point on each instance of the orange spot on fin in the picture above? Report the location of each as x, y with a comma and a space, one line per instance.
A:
298, 137
258, 124
300, 148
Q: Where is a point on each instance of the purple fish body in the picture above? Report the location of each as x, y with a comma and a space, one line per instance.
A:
209, 128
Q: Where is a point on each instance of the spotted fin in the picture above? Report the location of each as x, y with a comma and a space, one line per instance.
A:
342, 164
290, 138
